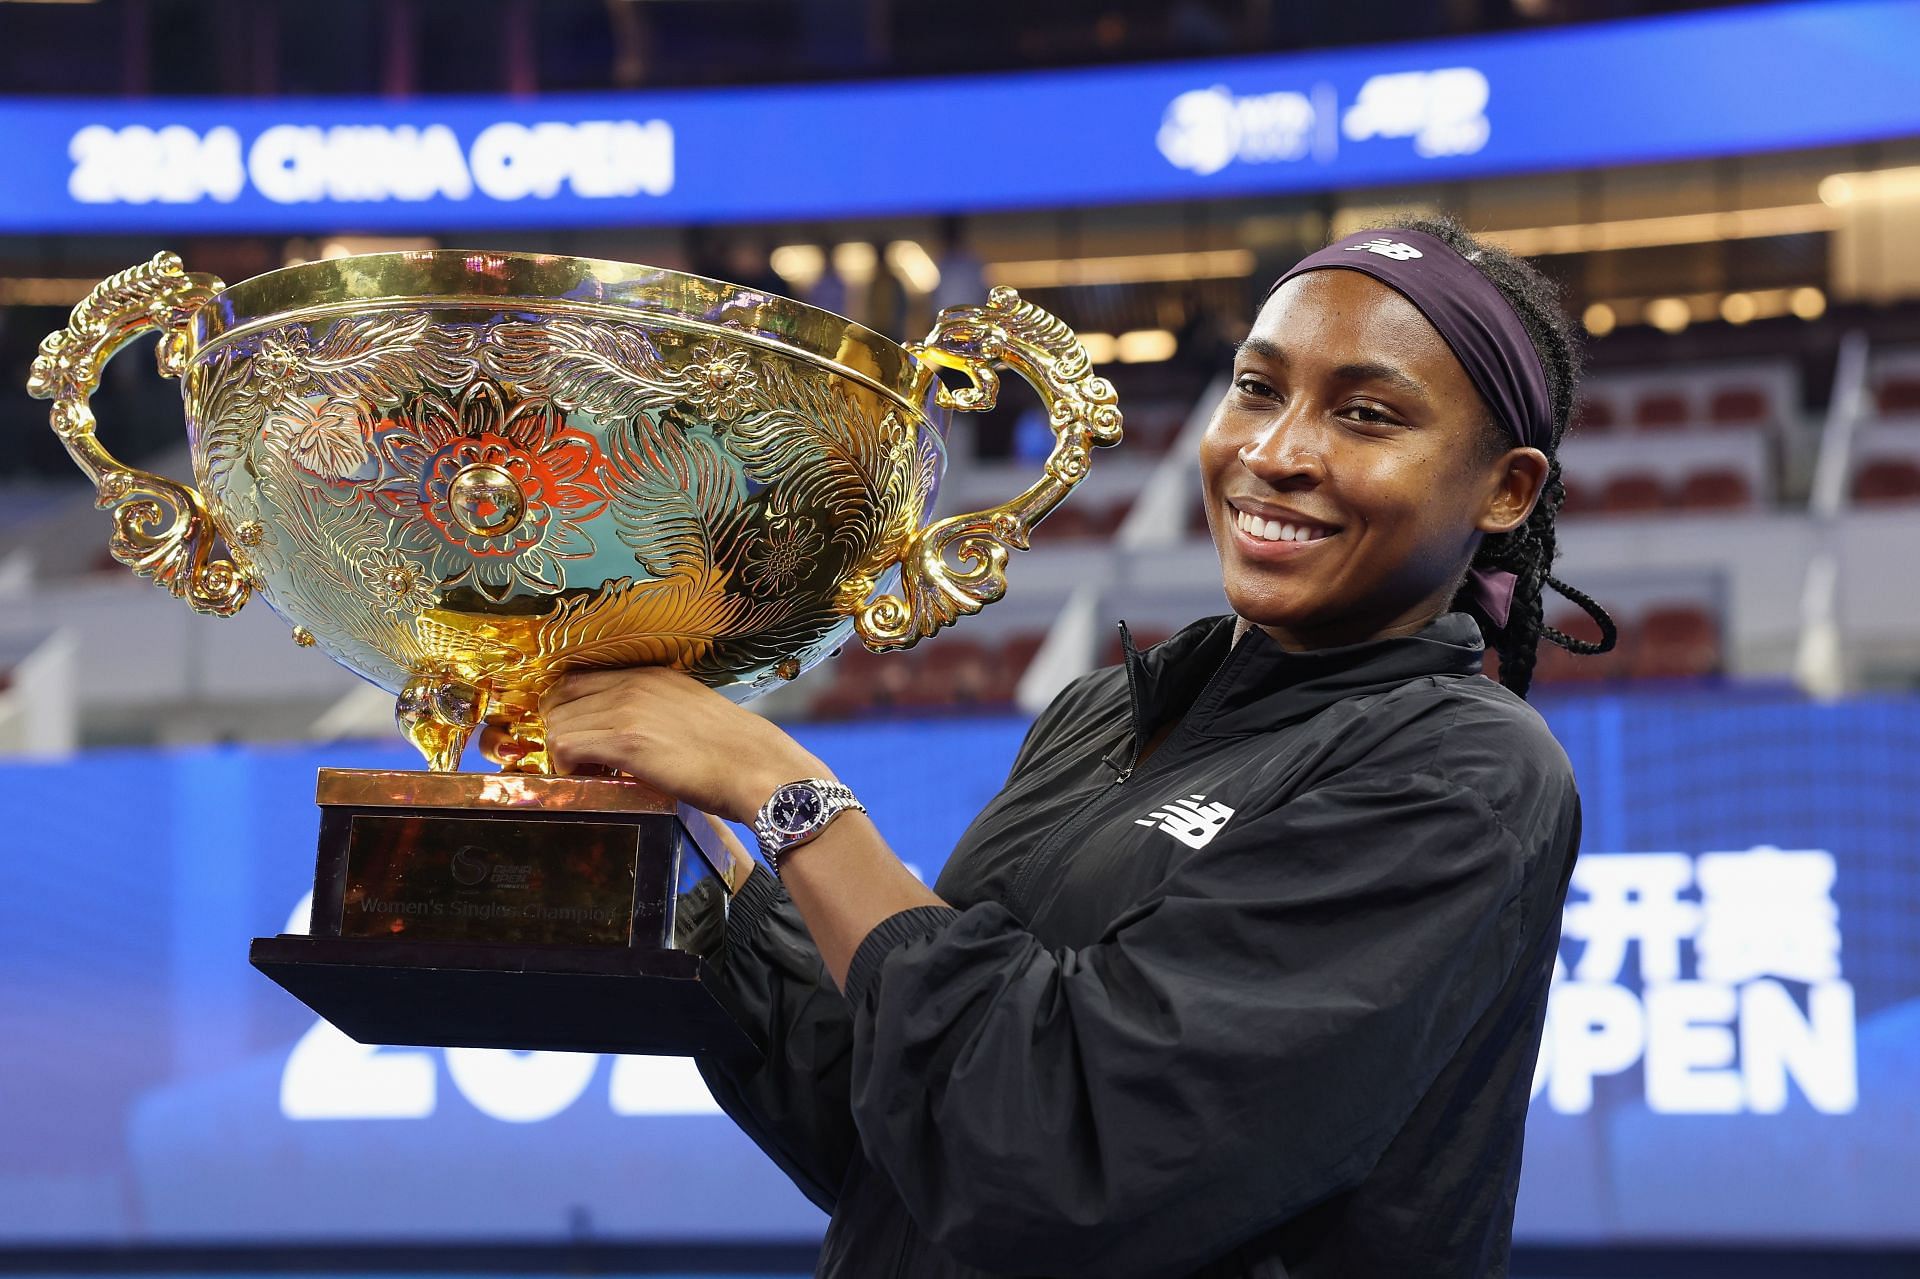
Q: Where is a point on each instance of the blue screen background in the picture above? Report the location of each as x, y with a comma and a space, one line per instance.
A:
142, 1060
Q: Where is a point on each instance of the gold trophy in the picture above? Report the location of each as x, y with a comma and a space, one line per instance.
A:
460, 474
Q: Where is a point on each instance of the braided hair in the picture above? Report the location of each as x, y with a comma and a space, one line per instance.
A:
1527, 551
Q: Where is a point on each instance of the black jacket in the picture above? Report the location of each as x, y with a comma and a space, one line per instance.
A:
1265, 1005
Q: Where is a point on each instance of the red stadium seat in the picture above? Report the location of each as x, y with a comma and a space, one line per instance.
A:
1631, 492
1739, 406
1714, 490
944, 651
1887, 479
1661, 411
1069, 521
1152, 426
1555, 665
1676, 642
1197, 518
1018, 651
1592, 415
1580, 499
1106, 520
1899, 394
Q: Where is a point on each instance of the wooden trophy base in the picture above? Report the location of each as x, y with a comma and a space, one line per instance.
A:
467, 910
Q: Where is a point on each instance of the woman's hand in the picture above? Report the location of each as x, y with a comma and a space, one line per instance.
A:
674, 733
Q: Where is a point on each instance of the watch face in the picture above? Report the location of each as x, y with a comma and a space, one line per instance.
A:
795, 807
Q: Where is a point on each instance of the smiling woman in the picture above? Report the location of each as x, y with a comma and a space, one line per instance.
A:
1243, 971
1376, 386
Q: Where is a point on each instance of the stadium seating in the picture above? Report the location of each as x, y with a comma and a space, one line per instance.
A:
1760, 395
1663, 641
950, 674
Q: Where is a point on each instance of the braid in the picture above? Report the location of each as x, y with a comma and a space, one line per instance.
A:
1527, 551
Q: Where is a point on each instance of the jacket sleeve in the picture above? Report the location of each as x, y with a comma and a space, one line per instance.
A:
1240, 1045
793, 1101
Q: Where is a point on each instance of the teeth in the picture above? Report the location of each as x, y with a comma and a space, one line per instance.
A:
1275, 531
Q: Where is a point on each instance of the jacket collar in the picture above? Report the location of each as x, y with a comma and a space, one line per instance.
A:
1229, 690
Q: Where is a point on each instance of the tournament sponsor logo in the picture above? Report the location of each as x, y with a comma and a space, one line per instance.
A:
1444, 112
1206, 130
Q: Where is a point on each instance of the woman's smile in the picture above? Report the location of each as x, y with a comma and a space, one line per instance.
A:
1272, 533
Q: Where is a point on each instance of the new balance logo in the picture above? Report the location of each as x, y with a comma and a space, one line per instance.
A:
1192, 821
1386, 248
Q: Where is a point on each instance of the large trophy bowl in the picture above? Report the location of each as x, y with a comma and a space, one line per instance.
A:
461, 474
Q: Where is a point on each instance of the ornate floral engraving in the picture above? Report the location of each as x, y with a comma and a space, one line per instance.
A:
323, 436
720, 384
785, 551
514, 533
395, 582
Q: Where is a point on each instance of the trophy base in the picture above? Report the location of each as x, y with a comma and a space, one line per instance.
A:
459, 995
465, 910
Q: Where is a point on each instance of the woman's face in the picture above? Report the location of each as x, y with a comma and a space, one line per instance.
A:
1350, 472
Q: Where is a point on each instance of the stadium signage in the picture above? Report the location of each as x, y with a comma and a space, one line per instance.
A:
1711, 1021
1719, 82
290, 164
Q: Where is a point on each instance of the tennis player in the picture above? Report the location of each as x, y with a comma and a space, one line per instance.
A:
1242, 973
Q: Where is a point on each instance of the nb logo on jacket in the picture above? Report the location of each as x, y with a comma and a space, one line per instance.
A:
1192, 821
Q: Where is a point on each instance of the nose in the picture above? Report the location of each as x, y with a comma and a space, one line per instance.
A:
1286, 451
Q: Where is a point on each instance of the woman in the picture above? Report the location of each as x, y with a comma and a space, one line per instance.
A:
1243, 972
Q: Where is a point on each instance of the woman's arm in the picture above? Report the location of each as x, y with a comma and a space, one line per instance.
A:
697, 746
793, 1100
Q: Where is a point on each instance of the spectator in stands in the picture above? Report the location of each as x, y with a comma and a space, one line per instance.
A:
1243, 971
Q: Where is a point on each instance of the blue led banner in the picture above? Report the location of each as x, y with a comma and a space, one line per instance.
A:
1726, 82
1732, 1049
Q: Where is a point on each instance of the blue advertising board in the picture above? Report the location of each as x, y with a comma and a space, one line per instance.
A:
1719, 83
1732, 1050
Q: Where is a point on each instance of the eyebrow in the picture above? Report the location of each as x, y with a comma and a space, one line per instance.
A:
1356, 371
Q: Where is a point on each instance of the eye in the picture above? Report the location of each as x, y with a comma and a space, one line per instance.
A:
1254, 385
1372, 414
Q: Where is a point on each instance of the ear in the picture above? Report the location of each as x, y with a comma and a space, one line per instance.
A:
1518, 475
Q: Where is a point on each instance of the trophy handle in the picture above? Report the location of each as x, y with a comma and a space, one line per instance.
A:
979, 341
161, 529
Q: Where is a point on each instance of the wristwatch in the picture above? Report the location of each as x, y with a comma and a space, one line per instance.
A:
797, 813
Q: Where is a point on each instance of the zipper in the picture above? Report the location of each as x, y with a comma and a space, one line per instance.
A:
1049, 852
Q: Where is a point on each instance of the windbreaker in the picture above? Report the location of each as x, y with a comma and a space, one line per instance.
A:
1265, 1004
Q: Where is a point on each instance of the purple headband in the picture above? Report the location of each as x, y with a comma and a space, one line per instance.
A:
1479, 326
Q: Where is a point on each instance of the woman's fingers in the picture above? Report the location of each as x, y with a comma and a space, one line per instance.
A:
576, 685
